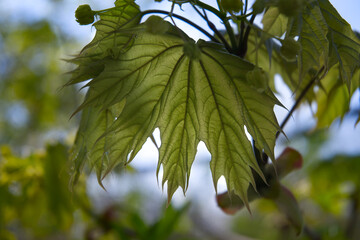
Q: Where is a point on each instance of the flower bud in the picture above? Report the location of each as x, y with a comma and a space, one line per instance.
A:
84, 15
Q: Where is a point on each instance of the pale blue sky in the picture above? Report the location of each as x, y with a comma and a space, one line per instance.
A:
62, 17
61, 13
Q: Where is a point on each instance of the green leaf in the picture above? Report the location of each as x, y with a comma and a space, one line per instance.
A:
328, 178
288, 161
110, 40
326, 39
333, 99
289, 49
312, 38
287, 204
89, 144
191, 92
343, 43
274, 23
268, 57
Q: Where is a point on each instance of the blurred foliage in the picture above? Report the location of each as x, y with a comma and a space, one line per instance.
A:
328, 192
31, 77
34, 193
36, 203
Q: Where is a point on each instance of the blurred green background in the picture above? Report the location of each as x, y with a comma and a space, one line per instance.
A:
36, 133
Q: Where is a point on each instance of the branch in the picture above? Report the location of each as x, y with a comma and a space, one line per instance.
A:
244, 37
298, 101
205, 6
213, 28
353, 218
246, 7
182, 19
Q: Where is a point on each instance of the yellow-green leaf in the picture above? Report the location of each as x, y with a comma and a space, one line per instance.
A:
274, 22
191, 96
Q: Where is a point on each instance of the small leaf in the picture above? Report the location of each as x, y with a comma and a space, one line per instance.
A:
232, 5
274, 23
287, 204
289, 8
156, 25
258, 6
289, 49
288, 161
110, 40
230, 203
258, 78
268, 58
333, 99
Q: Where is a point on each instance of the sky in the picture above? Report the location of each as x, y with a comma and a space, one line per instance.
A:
62, 17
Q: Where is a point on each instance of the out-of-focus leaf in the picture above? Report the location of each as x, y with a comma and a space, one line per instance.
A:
163, 228
34, 191
288, 161
333, 99
326, 40
230, 203
56, 174
333, 182
288, 205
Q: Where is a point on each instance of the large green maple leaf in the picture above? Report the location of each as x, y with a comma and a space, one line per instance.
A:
191, 91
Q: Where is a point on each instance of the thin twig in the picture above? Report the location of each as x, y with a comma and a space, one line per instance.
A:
246, 7
298, 101
213, 28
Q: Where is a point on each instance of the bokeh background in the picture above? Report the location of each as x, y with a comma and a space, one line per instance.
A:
36, 133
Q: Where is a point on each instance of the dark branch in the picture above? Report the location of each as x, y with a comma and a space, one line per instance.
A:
213, 28
244, 39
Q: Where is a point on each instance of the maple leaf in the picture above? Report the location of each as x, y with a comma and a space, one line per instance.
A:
191, 91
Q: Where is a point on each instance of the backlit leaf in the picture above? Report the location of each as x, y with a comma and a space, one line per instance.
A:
192, 92
326, 39
312, 37
344, 45
333, 98
274, 22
